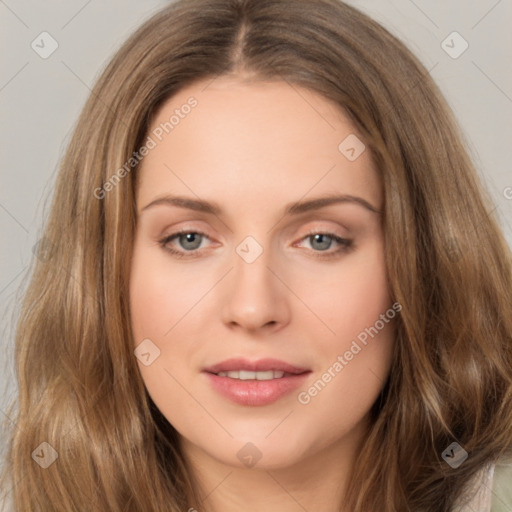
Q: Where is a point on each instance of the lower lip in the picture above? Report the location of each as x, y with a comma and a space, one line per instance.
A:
256, 392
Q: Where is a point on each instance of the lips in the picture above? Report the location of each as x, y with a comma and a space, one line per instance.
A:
262, 365
255, 383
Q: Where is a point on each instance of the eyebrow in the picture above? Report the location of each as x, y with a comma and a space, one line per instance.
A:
295, 208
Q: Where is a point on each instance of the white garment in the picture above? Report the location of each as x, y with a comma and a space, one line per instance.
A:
479, 492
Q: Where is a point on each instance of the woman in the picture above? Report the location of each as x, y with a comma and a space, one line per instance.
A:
339, 339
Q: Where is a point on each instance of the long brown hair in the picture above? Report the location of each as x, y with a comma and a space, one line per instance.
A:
449, 267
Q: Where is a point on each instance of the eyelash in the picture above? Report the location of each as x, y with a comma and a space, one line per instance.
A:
346, 244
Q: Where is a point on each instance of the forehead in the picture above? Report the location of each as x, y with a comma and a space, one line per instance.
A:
228, 138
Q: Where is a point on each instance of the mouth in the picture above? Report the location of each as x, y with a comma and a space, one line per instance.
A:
255, 383
248, 375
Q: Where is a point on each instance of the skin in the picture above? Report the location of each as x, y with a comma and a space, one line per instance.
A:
252, 148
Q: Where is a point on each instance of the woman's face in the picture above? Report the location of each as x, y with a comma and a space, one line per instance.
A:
268, 276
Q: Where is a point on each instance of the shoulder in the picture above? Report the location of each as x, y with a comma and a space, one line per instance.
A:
502, 487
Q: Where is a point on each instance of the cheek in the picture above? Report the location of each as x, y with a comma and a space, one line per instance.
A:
355, 340
159, 296
350, 380
346, 298
166, 308
159, 301
148, 302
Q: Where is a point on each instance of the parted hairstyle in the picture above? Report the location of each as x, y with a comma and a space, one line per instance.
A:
448, 264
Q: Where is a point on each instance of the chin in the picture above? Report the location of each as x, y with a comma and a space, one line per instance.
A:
258, 453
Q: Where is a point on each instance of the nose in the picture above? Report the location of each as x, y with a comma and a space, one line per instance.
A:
256, 296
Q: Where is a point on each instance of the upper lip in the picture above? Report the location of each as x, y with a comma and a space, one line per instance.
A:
260, 365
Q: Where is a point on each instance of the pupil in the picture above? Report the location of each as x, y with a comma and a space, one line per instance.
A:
319, 238
190, 237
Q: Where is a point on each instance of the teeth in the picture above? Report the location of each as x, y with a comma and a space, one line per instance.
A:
247, 375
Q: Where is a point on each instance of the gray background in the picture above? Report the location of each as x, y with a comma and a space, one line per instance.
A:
40, 100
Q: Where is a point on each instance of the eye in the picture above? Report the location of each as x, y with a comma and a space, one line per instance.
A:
321, 242
190, 241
